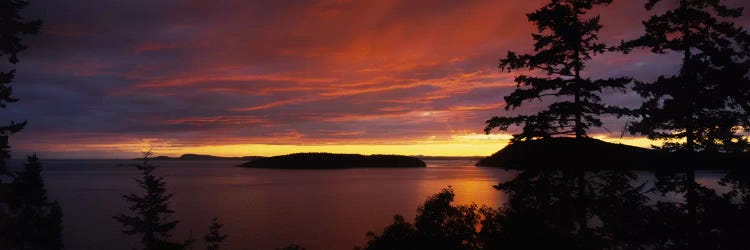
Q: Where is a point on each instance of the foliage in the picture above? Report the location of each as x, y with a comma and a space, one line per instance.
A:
28, 220
13, 26
620, 205
540, 204
214, 238
438, 225
540, 211
33, 221
151, 210
706, 105
565, 40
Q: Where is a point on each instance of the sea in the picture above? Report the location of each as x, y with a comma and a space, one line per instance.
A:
268, 208
260, 208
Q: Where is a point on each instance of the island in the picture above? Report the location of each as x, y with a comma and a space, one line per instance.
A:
198, 157
335, 161
593, 154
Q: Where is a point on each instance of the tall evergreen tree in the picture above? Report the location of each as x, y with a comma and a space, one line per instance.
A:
151, 210
12, 26
35, 222
28, 220
705, 106
566, 39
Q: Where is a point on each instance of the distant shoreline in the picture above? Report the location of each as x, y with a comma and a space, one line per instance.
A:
201, 157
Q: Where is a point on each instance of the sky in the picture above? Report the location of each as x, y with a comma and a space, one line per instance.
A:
109, 79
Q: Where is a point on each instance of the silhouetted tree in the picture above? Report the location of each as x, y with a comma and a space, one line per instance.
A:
13, 25
214, 238
739, 183
704, 106
33, 221
399, 235
619, 202
151, 210
539, 212
567, 38
27, 219
446, 226
438, 225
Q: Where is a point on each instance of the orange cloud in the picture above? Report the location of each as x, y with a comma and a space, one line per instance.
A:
211, 76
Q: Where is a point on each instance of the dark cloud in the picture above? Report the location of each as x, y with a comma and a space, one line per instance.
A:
186, 73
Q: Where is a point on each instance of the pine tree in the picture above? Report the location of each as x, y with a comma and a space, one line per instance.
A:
13, 25
151, 210
36, 221
27, 219
706, 105
566, 39
214, 238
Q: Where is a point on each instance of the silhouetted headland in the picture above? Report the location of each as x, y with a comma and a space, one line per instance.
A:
197, 157
335, 161
589, 153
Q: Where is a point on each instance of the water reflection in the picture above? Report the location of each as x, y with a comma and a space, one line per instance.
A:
265, 209
260, 208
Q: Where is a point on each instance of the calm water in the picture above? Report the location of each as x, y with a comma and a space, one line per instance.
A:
261, 208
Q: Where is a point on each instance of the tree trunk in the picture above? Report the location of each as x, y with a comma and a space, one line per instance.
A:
578, 123
691, 197
580, 173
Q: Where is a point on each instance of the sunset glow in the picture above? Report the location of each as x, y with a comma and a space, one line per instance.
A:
235, 78
463, 145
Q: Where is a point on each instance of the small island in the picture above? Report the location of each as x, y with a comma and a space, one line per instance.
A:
198, 157
335, 161
593, 154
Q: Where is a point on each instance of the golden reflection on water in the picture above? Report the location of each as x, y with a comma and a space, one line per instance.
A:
264, 208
